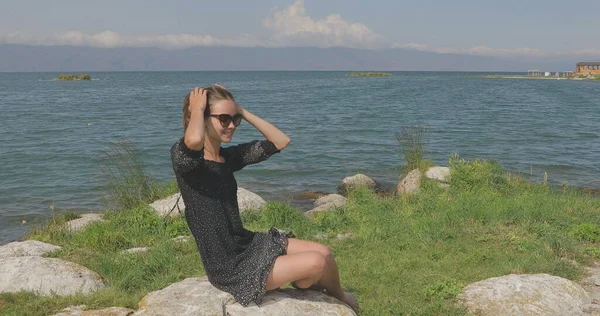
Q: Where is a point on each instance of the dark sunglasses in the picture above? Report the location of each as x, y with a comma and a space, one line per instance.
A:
226, 119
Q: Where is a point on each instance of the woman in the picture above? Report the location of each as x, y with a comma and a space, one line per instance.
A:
238, 261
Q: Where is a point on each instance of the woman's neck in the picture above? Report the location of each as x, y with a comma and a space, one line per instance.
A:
212, 146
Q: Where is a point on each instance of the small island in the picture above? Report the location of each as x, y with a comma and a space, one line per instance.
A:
66, 77
368, 74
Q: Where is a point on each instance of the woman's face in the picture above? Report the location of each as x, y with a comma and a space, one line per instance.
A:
214, 128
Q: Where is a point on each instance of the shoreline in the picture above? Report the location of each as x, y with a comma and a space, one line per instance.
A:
302, 200
529, 77
434, 226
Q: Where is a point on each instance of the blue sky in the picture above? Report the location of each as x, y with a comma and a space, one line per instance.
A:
484, 27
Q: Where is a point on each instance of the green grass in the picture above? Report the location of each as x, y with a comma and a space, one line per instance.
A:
412, 141
128, 182
129, 276
408, 256
69, 77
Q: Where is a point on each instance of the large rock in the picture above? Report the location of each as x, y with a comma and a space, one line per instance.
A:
47, 276
339, 200
249, 201
327, 203
171, 206
192, 296
591, 283
355, 181
80, 311
410, 184
196, 296
441, 174
174, 206
26, 248
291, 302
83, 221
529, 294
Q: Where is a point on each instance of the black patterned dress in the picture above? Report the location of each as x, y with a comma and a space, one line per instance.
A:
236, 260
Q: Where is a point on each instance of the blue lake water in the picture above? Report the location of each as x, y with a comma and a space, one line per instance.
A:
53, 134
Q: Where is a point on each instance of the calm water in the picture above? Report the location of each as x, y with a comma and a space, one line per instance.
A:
53, 134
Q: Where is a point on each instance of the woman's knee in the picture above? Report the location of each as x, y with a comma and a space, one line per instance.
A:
297, 245
326, 252
317, 263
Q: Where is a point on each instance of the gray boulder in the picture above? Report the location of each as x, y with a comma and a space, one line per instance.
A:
344, 236
26, 248
249, 201
173, 207
441, 174
170, 206
410, 184
83, 221
529, 294
355, 181
339, 200
47, 276
80, 311
181, 238
591, 283
291, 302
327, 203
136, 250
196, 296
192, 296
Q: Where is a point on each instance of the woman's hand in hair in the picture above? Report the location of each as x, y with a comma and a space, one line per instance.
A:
197, 100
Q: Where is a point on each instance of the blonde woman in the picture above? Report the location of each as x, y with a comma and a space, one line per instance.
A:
243, 263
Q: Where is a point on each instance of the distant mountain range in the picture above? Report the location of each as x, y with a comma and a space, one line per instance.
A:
24, 58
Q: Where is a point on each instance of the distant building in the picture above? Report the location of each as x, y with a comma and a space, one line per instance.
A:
588, 68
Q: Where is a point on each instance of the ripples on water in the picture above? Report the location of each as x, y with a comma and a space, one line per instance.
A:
53, 132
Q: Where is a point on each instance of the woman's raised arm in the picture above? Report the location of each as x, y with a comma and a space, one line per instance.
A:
194, 134
271, 133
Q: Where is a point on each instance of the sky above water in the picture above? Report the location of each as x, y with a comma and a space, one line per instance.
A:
538, 28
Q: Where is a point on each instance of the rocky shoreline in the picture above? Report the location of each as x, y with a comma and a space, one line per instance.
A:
28, 266
24, 265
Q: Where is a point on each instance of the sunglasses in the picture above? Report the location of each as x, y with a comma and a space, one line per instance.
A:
226, 119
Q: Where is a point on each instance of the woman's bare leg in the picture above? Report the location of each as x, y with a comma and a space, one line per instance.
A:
306, 268
331, 277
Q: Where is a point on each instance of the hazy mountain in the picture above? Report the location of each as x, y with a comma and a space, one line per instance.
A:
74, 58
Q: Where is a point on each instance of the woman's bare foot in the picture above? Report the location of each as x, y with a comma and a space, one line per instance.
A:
351, 301
314, 287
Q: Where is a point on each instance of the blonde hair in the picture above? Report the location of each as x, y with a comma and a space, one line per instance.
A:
213, 95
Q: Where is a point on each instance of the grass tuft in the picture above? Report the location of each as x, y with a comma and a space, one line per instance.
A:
411, 141
128, 182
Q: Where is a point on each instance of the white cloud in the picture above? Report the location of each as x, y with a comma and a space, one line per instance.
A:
414, 46
477, 50
290, 26
109, 39
488, 51
294, 32
293, 27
